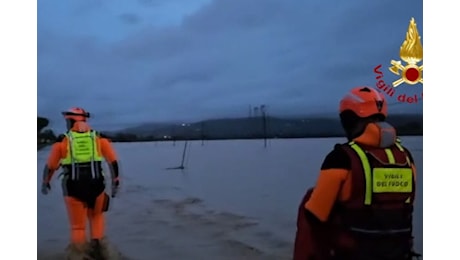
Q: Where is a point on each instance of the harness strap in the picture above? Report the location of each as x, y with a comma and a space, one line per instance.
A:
94, 170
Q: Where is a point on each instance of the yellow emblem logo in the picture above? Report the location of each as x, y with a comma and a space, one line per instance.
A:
411, 52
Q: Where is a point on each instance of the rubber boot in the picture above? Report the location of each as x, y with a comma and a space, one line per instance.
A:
77, 252
99, 249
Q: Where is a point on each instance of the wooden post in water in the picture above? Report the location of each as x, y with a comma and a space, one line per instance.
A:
182, 166
183, 155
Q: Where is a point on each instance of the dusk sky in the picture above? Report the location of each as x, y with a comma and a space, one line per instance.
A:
130, 62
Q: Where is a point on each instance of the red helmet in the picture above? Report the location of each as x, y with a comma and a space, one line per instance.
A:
364, 102
76, 114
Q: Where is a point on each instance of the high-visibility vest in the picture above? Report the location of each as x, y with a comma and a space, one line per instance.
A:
82, 148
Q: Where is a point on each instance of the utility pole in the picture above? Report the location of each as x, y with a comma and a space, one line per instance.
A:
264, 123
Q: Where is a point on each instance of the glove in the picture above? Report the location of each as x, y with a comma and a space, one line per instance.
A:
46, 188
115, 185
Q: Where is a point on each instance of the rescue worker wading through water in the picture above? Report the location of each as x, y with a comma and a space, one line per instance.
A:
362, 204
80, 153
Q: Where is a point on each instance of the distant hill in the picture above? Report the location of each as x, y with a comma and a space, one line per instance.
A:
148, 128
275, 127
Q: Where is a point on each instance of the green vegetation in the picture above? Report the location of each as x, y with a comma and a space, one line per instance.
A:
42, 123
44, 136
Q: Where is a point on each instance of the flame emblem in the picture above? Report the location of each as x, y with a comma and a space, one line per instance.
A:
411, 52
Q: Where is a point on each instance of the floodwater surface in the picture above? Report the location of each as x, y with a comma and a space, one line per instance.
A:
234, 199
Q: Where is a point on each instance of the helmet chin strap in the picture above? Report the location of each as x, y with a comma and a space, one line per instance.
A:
69, 123
356, 130
355, 126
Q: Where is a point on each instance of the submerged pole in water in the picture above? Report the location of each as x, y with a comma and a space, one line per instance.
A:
182, 166
183, 155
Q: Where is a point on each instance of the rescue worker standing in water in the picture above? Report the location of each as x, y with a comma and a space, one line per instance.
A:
361, 207
80, 153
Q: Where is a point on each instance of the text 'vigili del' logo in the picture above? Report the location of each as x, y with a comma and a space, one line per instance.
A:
410, 72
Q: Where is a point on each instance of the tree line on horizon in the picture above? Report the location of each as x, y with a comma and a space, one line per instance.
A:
254, 128
237, 128
44, 136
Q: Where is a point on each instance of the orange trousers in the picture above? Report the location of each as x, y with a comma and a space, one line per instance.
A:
78, 215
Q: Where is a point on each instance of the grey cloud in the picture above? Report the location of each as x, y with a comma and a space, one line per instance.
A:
292, 55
